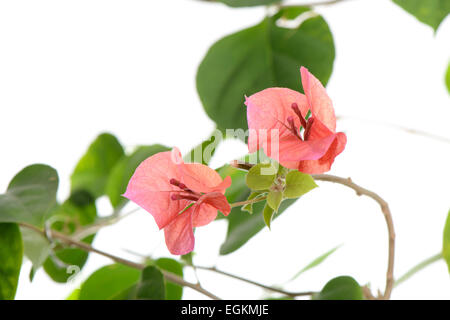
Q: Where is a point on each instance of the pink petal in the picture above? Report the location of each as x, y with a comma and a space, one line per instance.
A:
318, 100
324, 163
293, 149
200, 178
179, 234
149, 187
206, 207
267, 113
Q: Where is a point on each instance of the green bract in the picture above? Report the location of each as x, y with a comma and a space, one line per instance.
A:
261, 176
297, 184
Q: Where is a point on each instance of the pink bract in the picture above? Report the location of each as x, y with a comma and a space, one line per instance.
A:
275, 117
179, 196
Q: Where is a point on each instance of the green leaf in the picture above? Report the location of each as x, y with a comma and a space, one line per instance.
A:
78, 211
247, 3
274, 199
173, 291
315, 262
30, 195
123, 170
297, 184
263, 56
430, 12
268, 213
446, 242
341, 288
261, 176
447, 78
92, 171
36, 248
108, 282
151, 285
11, 252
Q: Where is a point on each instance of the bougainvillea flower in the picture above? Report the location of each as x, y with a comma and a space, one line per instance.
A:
179, 196
277, 123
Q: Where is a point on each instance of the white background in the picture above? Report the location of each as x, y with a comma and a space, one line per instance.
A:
72, 69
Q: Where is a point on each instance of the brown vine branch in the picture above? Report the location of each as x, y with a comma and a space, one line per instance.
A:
86, 247
398, 127
230, 275
387, 215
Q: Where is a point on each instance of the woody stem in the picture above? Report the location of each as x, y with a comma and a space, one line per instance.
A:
387, 216
86, 247
243, 203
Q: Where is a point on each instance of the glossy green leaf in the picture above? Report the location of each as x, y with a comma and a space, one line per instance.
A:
297, 184
261, 176
123, 170
92, 171
430, 12
107, 282
341, 288
78, 211
173, 290
446, 242
315, 262
151, 286
11, 252
274, 199
263, 56
31, 194
247, 3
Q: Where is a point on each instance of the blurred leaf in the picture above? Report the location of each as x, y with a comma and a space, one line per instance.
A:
341, 288
78, 211
259, 57
261, 176
447, 78
108, 282
123, 170
315, 262
92, 171
150, 286
242, 227
36, 248
430, 12
173, 291
30, 195
11, 252
75, 295
297, 184
247, 3
204, 152
446, 245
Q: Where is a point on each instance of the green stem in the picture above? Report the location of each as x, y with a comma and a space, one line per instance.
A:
417, 268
